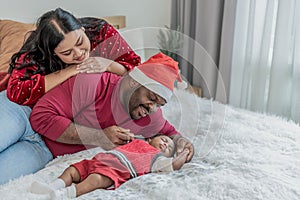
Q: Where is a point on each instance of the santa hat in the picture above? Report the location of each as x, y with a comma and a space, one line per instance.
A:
159, 74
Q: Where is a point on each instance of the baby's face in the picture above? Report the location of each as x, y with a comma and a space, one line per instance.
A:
163, 143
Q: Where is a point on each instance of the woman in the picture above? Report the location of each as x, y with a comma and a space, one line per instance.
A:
60, 47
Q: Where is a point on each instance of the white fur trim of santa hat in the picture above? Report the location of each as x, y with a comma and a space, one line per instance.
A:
151, 84
158, 74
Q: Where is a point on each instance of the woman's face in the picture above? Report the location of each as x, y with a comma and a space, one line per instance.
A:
74, 48
163, 143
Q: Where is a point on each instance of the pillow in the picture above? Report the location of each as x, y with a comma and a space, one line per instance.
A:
12, 36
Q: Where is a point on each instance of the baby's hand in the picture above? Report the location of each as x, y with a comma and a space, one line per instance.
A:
184, 153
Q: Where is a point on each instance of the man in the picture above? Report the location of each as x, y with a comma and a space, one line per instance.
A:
107, 110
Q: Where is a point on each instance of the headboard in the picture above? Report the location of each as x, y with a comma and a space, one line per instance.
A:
118, 21
12, 34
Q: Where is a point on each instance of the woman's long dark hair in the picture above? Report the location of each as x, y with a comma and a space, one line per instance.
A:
93, 27
40, 45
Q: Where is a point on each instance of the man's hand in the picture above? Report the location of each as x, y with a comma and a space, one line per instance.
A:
107, 138
182, 144
118, 135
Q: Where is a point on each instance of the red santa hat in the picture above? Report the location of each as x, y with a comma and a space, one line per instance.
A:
159, 74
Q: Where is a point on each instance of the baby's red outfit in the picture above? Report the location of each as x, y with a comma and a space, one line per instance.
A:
122, 163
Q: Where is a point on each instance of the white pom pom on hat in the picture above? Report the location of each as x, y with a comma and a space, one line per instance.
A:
182, 85
159, 74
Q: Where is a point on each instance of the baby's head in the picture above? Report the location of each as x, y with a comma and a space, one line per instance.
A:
163, 143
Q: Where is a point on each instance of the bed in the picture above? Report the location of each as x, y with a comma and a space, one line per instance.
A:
239, 154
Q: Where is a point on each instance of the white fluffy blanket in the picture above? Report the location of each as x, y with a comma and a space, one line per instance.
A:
239, 155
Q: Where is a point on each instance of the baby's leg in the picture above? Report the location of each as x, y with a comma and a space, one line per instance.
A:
70, 175
93, 182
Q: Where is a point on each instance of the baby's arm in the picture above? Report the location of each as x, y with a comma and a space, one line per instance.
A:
164, 164
179, 160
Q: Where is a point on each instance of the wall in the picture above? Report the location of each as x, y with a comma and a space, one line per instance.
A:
142, 16
139, 13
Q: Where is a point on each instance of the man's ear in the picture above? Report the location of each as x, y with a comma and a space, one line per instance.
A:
133, 83
148, 140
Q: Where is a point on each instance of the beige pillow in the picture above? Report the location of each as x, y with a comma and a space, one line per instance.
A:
12, 34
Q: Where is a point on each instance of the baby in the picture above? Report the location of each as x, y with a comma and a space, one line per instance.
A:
110, 169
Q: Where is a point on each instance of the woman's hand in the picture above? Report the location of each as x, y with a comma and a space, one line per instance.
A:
94, 65
118, 135
99, 65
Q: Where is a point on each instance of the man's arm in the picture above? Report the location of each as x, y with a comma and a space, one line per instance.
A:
107, 138
52, 118
78, 134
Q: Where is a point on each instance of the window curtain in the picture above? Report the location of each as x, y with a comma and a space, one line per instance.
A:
265, 72
207, 45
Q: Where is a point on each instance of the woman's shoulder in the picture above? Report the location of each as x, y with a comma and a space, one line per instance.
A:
21, 57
